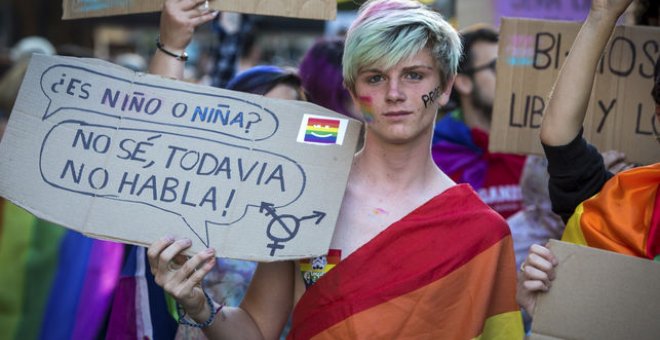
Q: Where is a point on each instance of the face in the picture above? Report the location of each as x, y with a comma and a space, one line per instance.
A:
483, 90
400, 104
282, 91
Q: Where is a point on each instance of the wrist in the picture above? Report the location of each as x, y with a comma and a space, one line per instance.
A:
602, 17
178, 54
203, 317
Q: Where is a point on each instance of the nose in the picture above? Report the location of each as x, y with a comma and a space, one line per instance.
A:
394, 91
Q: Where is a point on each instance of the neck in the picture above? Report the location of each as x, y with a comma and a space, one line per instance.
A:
474, 117
396, 167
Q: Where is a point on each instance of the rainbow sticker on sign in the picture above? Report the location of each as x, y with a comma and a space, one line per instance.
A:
322, 130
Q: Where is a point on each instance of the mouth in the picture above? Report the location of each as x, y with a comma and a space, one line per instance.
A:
395, 114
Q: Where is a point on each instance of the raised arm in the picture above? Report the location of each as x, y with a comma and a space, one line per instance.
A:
263, 312
178, 21
566, 109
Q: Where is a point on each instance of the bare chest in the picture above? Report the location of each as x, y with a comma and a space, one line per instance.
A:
361, 221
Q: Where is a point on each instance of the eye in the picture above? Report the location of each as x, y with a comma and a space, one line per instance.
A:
414, 75
373, 79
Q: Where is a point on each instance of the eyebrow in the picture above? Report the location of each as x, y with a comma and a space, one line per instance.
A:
408, 68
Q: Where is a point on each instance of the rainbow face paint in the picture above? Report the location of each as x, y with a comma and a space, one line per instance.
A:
367, 109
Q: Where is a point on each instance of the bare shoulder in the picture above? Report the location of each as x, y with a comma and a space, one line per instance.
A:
367, 210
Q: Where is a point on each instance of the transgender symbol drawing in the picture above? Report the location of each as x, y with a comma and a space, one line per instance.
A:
284, 228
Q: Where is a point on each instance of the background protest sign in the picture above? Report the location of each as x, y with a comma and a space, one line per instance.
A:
599, 294
133, 157
621, 111
308, 9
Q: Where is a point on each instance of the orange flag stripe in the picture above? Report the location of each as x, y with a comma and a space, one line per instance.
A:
438, 314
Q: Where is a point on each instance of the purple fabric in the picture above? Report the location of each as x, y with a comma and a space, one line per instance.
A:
454, 158
101, 278
570, 10
123, 318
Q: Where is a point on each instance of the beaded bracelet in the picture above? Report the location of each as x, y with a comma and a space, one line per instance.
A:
182, 57
208, 322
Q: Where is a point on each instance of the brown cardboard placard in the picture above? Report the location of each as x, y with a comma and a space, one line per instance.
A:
133, 157
621, 111
599, 294
307, 9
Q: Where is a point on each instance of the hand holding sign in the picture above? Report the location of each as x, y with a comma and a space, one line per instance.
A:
179, 20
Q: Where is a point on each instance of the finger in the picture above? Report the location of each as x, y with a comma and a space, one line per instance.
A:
196, 278
204, 18
611, 157
544, 252
177, 262
535, 286
170, 252
535, 274
539, 262
154, 250
629, 166
617, 167
189, 5
622, 166
195, 264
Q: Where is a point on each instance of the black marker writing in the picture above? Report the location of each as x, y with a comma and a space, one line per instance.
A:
431, 96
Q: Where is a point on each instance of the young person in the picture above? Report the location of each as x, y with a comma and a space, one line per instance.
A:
618, 213
414, 254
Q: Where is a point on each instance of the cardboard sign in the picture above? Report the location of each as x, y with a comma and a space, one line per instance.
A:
134, 157
308, 9
621, 113
599, 294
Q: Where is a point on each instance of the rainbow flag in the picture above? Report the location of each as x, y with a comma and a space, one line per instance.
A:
445, 271
140, 306
623, 217
54, 283
320, 130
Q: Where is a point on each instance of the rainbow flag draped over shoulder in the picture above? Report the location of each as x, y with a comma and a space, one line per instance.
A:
623, 217
54, 283
445, 271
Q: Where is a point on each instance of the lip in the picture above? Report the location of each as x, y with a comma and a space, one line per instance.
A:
397, 113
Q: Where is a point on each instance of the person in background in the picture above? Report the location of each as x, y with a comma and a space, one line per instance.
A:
235, 35
321, 73
619, 213
460, 140
647, 12
536, 223
409, 244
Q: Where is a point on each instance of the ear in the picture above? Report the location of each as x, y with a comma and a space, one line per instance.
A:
444, 97
353, 95
463, 84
